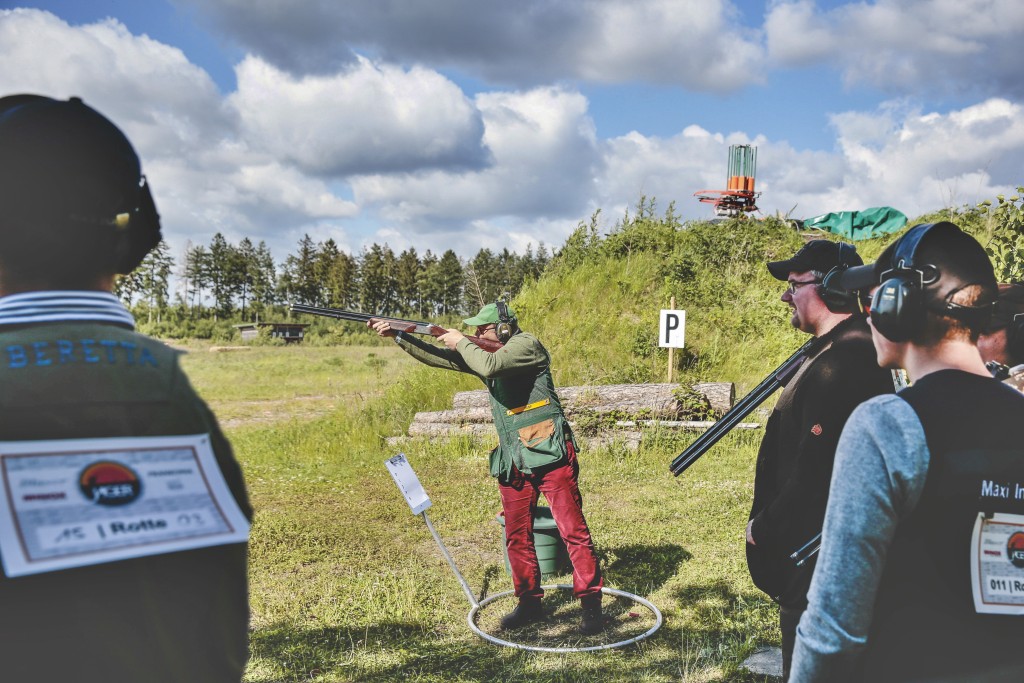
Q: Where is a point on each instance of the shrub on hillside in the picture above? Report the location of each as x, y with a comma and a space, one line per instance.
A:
1006, 246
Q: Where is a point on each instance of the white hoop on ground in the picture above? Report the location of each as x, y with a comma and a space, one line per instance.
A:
471, 620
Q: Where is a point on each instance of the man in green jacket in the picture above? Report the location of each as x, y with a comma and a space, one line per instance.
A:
123, 514
536, 452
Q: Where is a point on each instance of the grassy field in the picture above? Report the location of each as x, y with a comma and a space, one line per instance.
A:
347, 585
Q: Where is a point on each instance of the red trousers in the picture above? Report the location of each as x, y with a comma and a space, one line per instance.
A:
519, 498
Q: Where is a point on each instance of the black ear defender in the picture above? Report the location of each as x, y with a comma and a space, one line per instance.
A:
506, 325
137, 232
837, 299
901, 302
897, 306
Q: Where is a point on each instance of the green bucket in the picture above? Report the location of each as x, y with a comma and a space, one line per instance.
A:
552, 556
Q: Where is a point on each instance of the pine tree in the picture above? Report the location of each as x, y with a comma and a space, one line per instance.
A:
196, 274
245, 263
154, 275
222, 275
343, 282
301, 270
428, 282
484, 266
375, 280
263, 277
326, 256
451, 278
407, 286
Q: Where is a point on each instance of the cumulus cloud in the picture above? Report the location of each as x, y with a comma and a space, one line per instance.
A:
930, 160
204, 176
544, 157
164, 103
367, 118
695, 43
906, 46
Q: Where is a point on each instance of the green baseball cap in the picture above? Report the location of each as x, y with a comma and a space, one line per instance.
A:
487, 315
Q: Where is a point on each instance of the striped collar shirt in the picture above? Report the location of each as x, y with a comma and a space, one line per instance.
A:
30, 308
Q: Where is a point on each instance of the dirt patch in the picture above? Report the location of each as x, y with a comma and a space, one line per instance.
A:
246, 413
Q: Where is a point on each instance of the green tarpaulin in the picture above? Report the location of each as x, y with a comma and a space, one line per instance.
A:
859, 225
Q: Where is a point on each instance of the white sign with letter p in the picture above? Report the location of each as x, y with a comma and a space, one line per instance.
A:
672, 329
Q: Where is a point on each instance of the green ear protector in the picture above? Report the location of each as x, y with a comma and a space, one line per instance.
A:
506, 325
837, 299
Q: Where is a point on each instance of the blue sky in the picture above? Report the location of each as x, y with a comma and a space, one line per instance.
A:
474, 123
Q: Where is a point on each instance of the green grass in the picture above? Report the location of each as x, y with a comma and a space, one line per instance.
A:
347, 585
268, 384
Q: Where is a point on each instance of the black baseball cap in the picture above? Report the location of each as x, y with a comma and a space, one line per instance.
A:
823, 255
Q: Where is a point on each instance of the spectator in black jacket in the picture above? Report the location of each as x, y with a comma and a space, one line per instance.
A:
794, 464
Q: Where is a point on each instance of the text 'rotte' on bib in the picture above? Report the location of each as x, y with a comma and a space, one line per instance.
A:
78, 502
997, 564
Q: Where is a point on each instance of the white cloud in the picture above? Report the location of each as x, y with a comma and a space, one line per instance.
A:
699, 44
960, 47
204, 178
930, 161
543, 148
164, 103
797, 35
364, 119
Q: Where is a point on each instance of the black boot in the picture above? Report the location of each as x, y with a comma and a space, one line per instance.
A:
526, 612
593, 620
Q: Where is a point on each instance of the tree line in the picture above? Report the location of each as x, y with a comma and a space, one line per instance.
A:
243, 281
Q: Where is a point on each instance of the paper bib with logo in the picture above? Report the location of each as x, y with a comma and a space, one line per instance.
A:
79, 502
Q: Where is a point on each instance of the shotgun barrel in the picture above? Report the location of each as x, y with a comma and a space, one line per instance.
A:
354, 316
779, 378
403, 325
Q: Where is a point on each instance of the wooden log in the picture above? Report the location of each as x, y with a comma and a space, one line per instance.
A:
448, 429
477, 415
658, 397
460, 416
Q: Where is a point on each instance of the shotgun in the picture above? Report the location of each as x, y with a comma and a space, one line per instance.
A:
746, 405
402, 325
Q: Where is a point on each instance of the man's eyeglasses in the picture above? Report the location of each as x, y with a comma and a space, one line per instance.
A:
793, 286
483, 328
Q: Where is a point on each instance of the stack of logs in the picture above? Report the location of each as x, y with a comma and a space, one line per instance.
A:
638, 406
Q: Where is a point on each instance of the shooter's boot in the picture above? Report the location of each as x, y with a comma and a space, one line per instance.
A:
526, 612
593, 620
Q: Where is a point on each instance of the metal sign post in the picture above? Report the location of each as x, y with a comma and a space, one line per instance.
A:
671, 332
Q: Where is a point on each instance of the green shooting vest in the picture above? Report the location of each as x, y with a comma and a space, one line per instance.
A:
532, 429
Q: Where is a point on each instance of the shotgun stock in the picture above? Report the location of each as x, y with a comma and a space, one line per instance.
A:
746, 405
402, 325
